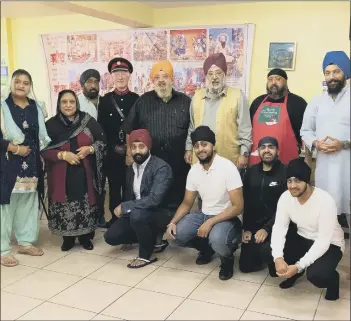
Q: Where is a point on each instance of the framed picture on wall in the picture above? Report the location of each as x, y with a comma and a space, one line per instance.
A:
282, 55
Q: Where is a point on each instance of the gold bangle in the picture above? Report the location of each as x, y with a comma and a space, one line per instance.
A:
91, 150
64, 155
16, 152
59, 155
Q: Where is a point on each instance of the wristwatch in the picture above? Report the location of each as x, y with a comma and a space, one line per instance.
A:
346, 144
299, 269
246, 154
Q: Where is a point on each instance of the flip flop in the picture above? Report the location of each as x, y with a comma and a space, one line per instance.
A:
146, 262
161, 247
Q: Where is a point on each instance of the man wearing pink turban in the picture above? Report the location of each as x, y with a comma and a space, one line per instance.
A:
225, 110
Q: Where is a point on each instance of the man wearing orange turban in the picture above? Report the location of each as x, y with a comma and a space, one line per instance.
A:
164, 112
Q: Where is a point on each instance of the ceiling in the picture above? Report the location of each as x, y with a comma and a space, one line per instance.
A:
172, 4
21, 9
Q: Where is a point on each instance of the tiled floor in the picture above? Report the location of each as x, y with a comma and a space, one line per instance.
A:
97, 285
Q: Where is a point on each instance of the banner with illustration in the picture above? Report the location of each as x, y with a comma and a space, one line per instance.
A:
69, 54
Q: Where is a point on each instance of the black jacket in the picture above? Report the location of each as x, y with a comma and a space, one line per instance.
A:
155, 184
296, 107
262, 191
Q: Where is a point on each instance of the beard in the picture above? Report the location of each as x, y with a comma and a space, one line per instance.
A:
269, 163
336, 87
207, 159
163, 89
140, 158
303, 192
93, 93
275, 92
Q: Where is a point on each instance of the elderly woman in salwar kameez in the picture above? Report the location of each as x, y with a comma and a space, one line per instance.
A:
22, 135
74, 162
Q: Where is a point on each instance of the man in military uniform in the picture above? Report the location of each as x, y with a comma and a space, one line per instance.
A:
114, 107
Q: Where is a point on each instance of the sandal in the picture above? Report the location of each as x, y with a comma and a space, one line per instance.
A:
161, 247
146, 262
8, 260
30, 250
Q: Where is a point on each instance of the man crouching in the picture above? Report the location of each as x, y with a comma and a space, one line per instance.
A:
216, 228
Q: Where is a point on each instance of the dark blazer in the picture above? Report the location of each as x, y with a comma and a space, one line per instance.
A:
155, 183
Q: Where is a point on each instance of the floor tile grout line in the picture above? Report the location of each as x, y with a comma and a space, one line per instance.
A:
21, 277
315, 312
187, 297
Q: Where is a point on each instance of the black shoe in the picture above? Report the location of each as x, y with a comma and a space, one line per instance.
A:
68, 243
204, 258
227, 268
288, 283
86, 242
333, 291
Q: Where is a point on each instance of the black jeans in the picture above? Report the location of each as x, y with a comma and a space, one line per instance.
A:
252, 255
139, 226
322, 273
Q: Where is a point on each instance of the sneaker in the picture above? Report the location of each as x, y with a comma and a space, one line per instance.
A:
226, 269
204, 258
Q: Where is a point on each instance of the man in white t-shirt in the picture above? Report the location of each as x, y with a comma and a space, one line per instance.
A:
314, 240
217, 228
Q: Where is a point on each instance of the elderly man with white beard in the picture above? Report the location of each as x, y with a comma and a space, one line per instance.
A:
225, 110
164, 112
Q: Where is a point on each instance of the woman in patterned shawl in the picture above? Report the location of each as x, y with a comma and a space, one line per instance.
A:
74, 162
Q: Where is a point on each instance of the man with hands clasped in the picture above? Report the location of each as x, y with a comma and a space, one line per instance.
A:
317, 242
264, 183
216, 228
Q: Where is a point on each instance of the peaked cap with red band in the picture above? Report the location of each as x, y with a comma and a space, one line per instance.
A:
118, 63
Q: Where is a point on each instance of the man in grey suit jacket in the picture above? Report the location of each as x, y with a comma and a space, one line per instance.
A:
144, 214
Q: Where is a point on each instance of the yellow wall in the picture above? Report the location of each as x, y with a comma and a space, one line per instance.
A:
317, 27
28, 52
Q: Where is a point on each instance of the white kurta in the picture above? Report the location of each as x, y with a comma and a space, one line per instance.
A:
87, 106
326, 117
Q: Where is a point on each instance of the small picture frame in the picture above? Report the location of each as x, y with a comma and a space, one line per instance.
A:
282, 55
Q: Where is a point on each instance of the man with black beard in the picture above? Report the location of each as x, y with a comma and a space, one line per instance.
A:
279, 114
264, 183
216, 228
326, 127
144, 213
89, 98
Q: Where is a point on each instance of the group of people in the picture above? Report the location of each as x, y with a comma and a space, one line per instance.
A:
162, 151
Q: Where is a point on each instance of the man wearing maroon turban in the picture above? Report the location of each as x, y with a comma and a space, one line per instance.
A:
164, 112
144, 214
225, 110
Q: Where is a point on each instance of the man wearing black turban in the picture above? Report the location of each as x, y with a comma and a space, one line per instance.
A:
315, 240
89, 99
279, 114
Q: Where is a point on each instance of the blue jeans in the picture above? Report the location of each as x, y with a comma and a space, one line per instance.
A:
223, 238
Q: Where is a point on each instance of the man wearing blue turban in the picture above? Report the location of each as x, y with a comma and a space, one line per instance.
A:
326, 128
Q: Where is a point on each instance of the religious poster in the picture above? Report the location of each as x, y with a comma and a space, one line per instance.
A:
150, 45
188, 44
115, 44
82, 48
188, 78
68, 55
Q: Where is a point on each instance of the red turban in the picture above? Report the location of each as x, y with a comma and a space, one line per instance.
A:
142, 136
218, 60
